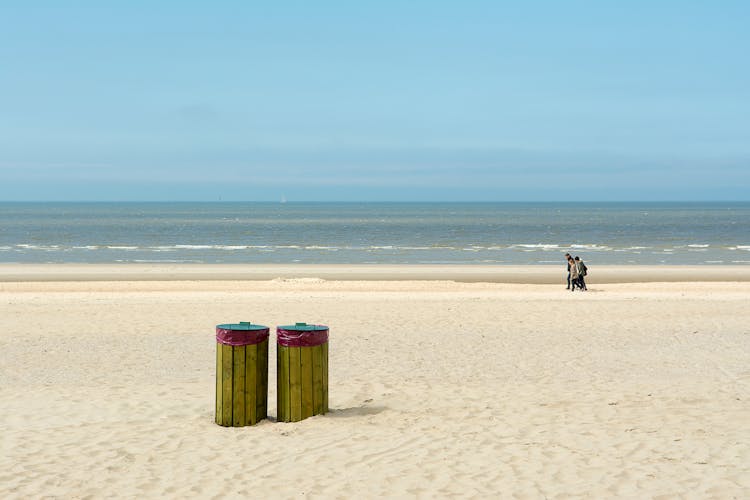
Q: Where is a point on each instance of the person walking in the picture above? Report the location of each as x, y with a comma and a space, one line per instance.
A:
582, 271
567, 259
573, 273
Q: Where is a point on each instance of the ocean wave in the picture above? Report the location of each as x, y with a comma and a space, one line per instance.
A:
162, 261
320, 247
340, 251
44, 248
526, 247
557, 247
592, 246
543, 246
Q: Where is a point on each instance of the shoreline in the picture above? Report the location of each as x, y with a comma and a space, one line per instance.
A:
538, 275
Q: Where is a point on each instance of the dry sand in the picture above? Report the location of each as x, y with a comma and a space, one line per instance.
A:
437, 389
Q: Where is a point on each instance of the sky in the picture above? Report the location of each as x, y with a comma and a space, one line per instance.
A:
374, 101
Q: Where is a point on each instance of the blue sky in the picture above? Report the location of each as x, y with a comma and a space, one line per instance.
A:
423, 100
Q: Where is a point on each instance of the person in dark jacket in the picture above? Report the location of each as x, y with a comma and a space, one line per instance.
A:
567, 259
582, 271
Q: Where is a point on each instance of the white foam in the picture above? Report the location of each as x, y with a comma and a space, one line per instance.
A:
44, 248
542, 246
157, 261
592, 246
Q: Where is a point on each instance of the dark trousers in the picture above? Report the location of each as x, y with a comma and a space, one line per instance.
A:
568, 279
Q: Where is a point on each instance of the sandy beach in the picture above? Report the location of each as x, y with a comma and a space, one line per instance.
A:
444, 382
536, 274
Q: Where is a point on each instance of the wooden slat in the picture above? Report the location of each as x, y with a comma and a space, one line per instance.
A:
325, 376
317, 375
226, 385
251, 383
282, 384
279, 384
295, 386
218, 384
306, 381
238, 386
261, 394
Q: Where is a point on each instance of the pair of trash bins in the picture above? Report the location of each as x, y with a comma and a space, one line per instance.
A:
242, 372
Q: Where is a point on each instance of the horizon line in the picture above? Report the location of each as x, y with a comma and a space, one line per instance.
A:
287, 202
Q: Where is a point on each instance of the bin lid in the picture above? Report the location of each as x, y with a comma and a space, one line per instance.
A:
242, 325
304, 327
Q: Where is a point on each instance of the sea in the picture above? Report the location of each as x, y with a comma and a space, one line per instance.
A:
376, 233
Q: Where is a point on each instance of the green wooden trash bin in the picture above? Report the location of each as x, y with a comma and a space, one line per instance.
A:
302, 371
241, 374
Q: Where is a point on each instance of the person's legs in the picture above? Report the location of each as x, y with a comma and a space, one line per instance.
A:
568, 281
582, 283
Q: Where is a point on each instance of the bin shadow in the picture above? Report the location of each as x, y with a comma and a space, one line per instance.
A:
355, 411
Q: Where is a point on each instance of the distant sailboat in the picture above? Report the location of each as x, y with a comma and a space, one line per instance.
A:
283, 199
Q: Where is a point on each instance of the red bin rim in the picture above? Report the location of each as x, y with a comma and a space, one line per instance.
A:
301, 335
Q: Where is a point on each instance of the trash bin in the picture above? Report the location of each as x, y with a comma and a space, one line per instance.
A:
302, 371
241, 374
